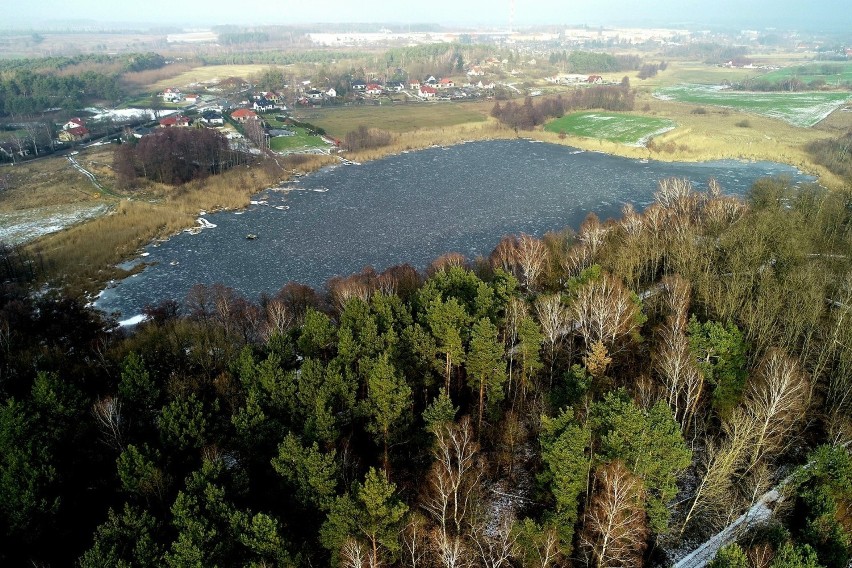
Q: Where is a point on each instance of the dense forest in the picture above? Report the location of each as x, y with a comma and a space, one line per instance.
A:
31, 86
588, 398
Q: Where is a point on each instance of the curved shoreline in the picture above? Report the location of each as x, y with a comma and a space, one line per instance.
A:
474, 132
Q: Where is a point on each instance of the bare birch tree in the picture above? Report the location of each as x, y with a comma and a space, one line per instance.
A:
494, 547
107, 413
554, 319
777, 400
355, 555
683, 381
714, 497
615, 526
453, 481
592, 233
531, 257
605, 311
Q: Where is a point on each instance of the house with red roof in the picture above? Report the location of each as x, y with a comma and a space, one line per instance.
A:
74, 123
244, 115
595, 79
192, 99
178, 121
414, 84
374, 89
428, 92
446, 83
73, 134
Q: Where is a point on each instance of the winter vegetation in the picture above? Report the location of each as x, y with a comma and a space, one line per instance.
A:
587, 398
624, 128
799, 109
610, 396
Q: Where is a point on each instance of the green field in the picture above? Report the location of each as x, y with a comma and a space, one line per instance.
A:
301, 141
798, 109
338, 121
623, 128
835, 73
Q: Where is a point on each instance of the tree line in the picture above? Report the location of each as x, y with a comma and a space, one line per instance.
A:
172, 156
589, 397
31, 86
530, 114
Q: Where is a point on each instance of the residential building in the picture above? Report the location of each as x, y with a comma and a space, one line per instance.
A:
177, 120
244, 115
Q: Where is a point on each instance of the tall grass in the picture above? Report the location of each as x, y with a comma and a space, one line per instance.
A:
83, 257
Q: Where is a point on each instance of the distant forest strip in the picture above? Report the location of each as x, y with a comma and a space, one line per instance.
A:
660, 369
30, 86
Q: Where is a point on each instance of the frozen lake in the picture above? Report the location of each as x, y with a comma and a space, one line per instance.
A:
408, 208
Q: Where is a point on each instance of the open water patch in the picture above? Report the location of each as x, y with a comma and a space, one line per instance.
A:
409, 208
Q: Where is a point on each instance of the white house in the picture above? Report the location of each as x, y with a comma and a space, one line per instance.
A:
172, 95
331, 92
374, 89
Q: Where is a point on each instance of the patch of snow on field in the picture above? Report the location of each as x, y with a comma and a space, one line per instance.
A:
127, 113
645, 139
20, 227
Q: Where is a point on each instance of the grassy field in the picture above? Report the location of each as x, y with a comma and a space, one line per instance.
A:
337, 121
209, 73
301, 141
701, 73
798, 109
616, 127
834, 73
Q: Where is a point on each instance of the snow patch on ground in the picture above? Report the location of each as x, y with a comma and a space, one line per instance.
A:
19, 227
128, 113
135, 320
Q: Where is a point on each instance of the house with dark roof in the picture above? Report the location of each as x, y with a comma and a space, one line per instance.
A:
212, 118
263, 105
359, 85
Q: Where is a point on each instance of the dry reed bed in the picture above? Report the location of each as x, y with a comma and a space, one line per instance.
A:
84, 256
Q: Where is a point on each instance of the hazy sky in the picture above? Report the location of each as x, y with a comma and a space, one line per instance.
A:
829, 14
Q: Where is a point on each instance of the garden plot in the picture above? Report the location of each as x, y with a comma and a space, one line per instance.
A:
624, 128
798, 109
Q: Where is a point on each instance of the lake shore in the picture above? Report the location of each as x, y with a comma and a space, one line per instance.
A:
84, 256
677, 145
